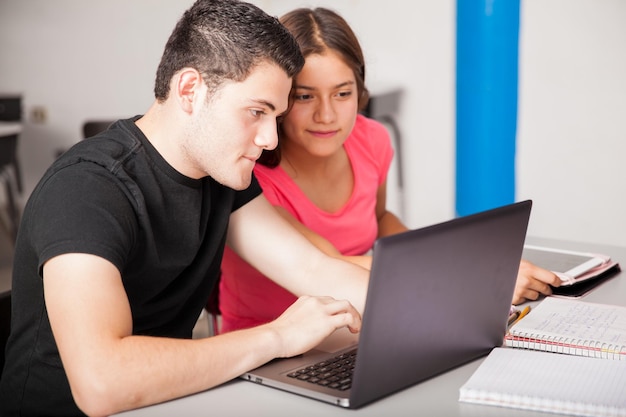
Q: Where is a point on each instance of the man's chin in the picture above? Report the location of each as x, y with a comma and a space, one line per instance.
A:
240, 185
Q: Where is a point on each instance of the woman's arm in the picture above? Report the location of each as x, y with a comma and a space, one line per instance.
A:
388, 223
533, 281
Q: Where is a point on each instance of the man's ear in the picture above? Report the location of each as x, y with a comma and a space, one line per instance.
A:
187, 87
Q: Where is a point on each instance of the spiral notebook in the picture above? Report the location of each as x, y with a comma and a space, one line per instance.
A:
572, 327
548, 382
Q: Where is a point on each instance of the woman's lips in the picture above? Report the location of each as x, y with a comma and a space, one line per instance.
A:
323, 134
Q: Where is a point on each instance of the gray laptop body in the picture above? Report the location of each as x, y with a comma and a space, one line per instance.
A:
438, 298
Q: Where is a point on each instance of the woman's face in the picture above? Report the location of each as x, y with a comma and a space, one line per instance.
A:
325, 106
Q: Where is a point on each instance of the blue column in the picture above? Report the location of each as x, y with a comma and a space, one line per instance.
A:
486, 103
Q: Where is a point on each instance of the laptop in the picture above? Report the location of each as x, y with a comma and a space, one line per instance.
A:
438, 297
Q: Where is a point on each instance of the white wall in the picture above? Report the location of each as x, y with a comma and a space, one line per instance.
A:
97, 59
572, 118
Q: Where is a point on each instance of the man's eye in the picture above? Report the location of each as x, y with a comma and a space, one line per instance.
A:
257, 113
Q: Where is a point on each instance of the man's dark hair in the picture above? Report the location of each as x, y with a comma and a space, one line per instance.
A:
224, 40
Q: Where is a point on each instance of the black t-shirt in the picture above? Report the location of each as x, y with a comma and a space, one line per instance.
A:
113, 196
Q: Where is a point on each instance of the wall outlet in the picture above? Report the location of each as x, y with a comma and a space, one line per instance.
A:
39, 114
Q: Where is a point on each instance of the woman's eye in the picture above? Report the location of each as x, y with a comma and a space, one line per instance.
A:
257, 113
302, 97
344, 93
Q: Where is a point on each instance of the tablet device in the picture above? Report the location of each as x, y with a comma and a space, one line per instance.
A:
568, 265
583, 287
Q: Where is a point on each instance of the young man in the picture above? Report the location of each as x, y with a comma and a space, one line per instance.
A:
122, 239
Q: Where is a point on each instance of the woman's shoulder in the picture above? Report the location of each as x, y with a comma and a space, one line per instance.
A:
367, 126
370, 133
273, 179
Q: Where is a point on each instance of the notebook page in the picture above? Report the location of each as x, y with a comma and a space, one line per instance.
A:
550, 382
576, 319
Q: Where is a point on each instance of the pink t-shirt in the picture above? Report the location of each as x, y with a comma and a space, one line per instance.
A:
247, 298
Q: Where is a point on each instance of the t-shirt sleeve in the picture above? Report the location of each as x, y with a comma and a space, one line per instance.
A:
279, 189
83, 210
268, 183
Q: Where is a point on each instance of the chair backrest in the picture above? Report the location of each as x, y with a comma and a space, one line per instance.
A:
93, 127
5, 324
213, 310
10, 180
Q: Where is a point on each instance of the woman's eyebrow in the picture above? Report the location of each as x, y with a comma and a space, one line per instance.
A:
340, 85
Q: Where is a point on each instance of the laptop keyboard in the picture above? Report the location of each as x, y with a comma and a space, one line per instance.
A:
332, 373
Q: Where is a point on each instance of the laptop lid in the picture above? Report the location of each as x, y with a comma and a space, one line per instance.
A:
438, 297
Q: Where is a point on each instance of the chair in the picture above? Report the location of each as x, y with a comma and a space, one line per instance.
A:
213, 310
11, 178
5, 323
93, 127
384, 107
90, 128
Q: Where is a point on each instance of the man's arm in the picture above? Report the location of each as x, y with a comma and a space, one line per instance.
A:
271, 244
322, 243
110, 370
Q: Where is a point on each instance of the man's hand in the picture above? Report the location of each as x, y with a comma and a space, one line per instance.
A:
310, 320
532, 281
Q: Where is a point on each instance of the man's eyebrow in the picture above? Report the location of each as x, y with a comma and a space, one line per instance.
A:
265, 103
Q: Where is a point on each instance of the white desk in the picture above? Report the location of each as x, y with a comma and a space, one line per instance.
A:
10, 128
437, 396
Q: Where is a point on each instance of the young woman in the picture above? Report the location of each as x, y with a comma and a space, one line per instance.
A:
328, 174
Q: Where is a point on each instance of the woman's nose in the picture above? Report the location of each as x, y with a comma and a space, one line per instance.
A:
325, 112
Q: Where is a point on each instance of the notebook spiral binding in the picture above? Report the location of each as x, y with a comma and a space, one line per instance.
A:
565, 345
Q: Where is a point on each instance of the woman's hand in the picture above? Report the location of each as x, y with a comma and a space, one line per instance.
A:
533, 281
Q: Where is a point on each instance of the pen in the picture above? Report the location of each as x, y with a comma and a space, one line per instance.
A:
513, 316
521, 315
